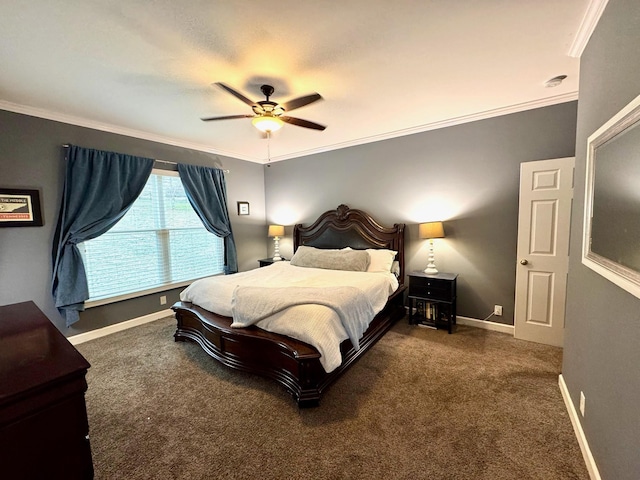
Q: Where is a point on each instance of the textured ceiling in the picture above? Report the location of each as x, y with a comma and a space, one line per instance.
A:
145, 68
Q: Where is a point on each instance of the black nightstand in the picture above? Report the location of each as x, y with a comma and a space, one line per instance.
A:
434, 298
267, 261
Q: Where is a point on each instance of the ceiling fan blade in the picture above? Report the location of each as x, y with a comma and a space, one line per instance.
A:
226, 117
301, 102
236, 94
302, 123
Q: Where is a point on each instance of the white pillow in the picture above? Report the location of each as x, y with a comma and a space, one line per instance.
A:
380, 260
395, 268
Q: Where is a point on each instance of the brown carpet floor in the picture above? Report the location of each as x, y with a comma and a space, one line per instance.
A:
421, 404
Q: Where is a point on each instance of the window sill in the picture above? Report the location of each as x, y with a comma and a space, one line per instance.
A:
128, 296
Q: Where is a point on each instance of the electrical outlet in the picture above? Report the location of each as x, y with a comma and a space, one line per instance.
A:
163, 300
497, 310
582, 401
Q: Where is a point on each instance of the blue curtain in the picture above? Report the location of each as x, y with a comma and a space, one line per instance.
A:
207, 193
99, 189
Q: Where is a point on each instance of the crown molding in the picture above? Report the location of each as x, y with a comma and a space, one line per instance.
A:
82, 122
129, 132
450, 122
587, 26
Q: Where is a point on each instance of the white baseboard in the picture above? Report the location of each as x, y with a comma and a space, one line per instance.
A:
592, 468
134, 322
484, 324
495, 326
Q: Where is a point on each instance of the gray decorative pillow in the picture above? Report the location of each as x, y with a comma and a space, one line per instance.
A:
352, 260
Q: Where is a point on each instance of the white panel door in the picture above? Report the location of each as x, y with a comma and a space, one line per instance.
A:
546, 193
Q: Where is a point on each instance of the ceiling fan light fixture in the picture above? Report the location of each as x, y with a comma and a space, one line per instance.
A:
267, 123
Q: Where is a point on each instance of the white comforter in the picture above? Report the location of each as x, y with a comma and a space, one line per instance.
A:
317, 325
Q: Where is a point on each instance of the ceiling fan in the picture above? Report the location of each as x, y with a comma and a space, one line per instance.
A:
269, 116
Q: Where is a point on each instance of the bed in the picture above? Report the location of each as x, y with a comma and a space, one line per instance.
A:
295, 364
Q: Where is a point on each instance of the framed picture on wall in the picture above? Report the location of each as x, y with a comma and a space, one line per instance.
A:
20, 208
243, 208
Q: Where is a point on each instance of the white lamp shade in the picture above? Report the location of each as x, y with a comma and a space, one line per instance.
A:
276, 231
431, 230
267, 123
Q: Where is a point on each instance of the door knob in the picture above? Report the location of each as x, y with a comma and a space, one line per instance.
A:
524, 261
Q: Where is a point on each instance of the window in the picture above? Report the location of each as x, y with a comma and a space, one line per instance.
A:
159, 243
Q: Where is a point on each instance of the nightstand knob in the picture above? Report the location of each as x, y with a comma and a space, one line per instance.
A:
524, 261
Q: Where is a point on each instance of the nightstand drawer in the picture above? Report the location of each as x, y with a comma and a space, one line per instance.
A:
440, 292
435, 288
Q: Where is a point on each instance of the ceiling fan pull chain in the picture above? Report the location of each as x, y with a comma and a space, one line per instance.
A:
268, 146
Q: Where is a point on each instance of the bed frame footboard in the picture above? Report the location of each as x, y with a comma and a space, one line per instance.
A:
293, 364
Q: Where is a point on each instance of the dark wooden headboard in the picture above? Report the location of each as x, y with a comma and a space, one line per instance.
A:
345, 227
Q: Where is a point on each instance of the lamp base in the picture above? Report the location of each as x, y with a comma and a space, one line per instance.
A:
431, 260
276, 249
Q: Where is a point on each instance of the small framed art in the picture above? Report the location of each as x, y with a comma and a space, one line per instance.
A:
243, 208
20, 208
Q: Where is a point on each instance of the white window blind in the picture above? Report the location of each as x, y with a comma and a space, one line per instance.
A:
159, 242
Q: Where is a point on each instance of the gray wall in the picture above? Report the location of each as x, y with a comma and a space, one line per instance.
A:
602, 340
31, 157
467, 176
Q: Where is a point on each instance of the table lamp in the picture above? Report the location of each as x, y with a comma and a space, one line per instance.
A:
430, 231
276, 231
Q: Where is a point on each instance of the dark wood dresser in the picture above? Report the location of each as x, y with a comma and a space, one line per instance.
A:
44, 432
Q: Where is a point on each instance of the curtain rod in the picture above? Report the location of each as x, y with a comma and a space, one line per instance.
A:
174, 163
66, 145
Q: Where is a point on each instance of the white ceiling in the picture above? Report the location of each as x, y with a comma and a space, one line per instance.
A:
385, 69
